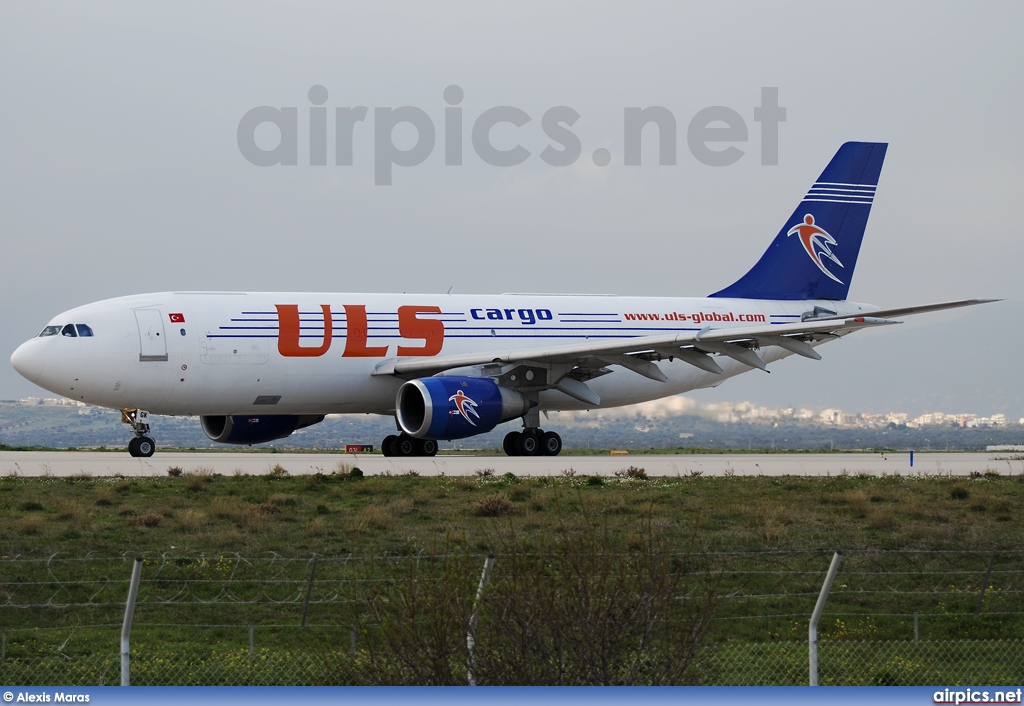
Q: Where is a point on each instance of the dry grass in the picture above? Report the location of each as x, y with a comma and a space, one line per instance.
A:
192, 520
373, 517
882, 519
283, 500
196, 480
105, 496
252, 516
858, 501
318, 527
72, 510
146, 519
493, 505
772, 520
401, 507
29, 524
227, 508
278, 470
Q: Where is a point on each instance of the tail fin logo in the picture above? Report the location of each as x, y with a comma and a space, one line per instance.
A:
464, 406
816, 242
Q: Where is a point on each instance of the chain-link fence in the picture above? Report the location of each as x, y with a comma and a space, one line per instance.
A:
843, 663
894, 618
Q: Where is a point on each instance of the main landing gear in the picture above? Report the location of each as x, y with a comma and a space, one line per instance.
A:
532, 442
142, 446
405, 445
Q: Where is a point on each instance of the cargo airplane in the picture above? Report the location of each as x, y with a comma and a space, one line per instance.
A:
256, 366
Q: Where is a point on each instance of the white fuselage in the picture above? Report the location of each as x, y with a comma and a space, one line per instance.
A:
228, 353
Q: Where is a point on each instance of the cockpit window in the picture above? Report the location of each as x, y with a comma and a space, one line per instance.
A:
69, 331
50, 331
84, 330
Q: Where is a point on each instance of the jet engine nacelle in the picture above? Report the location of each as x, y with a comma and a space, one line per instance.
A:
255, 429
456, 407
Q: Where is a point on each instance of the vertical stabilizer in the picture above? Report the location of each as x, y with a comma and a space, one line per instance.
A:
814, 254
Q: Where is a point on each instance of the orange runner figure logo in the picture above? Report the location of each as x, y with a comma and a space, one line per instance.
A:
465, 406
816, 242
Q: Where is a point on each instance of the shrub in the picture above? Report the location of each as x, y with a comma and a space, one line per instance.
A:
484, 472
356, 473
494, 505
278, 471
595, 480
174, 471
632, 473
958, 492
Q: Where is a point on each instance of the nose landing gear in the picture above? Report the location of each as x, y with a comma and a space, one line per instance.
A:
142, 446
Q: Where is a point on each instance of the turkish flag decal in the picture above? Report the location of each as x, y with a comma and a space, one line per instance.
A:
177, 318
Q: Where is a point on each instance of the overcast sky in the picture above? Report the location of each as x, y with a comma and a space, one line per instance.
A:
121, 169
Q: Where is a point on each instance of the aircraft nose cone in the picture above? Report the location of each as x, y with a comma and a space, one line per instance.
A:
28, 361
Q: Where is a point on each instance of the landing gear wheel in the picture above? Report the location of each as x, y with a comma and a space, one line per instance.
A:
426, 447
141, 447
404, 446
146, 446
528, 445
509, 444
550, 443
387, 446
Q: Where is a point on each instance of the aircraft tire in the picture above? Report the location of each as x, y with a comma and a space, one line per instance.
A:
144, 447
404, 446
528, 445
387, 446
426, 447
133, 447
550, 443
509, 445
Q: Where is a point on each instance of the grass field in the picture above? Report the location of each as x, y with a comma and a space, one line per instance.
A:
743, 558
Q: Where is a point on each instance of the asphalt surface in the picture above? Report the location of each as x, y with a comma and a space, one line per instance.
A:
62, 464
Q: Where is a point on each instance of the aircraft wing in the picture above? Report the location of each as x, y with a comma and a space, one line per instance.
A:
922, 309
569, 365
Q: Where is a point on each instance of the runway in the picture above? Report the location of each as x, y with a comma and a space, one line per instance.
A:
63, 464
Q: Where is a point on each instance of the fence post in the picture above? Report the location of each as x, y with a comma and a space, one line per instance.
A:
126, 626
309, 591
812, 628
471, 632
252, 640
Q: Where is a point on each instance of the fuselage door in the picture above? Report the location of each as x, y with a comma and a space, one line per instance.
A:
153, 344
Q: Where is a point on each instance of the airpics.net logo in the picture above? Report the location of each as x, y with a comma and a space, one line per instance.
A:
715, 136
